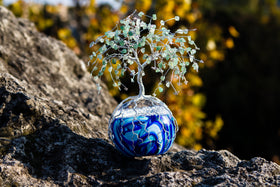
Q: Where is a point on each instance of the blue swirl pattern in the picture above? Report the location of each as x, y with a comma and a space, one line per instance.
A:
143, 135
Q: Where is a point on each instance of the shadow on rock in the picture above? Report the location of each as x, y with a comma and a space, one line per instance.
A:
55, 152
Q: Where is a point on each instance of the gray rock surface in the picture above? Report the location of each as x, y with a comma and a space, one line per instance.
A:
53, 127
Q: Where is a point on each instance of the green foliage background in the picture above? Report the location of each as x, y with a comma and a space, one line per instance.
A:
233, 102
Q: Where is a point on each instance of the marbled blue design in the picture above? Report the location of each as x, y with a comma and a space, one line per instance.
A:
143, 135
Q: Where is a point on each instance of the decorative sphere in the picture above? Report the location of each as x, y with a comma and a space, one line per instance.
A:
142, 126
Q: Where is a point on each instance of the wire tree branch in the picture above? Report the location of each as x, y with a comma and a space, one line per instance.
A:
134, 41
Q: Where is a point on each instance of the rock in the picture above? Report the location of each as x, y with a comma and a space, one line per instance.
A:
43, 82
53, 127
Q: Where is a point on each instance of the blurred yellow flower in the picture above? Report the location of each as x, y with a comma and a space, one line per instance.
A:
229, 43
232, 30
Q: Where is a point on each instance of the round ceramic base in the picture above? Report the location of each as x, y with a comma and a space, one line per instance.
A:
141, 127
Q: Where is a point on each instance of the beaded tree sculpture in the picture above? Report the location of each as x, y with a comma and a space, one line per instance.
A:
143, 125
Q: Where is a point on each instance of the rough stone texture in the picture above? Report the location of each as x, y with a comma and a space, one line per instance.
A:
53, 127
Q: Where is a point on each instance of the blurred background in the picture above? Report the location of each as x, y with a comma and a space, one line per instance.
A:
232, 102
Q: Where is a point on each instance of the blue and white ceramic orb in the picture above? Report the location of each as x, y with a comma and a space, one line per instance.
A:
142, 126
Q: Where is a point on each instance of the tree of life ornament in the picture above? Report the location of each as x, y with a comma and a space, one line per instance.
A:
143, 125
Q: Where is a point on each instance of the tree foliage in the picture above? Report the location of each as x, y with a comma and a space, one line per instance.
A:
136, 43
